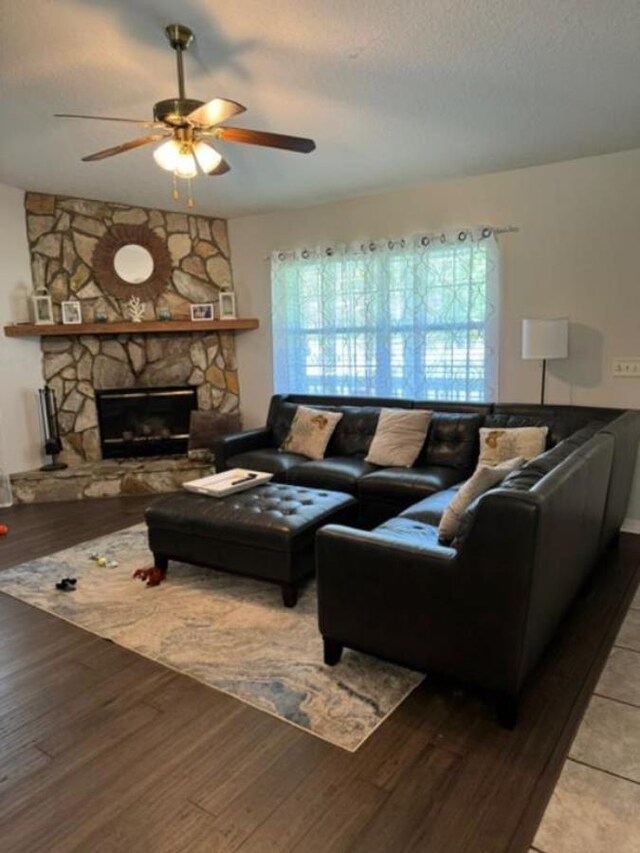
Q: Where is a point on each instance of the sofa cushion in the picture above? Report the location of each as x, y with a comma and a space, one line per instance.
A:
525, 478
335, 473
429, 510
452, 441
399, 437
535, 469
410, 531
562, 421
407, 485
268, 459
354, 433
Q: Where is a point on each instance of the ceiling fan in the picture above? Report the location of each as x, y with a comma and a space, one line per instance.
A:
185, 125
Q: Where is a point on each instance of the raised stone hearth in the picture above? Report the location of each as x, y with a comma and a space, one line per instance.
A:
108, 479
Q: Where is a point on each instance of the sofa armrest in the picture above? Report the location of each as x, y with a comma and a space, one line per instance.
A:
226, 446
379, 545
386, 596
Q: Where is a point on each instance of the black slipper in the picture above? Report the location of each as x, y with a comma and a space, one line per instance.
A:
66, 585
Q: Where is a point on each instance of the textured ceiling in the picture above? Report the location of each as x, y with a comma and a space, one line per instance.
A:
395, 94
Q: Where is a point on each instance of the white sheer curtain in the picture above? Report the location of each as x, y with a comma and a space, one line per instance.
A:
415, 317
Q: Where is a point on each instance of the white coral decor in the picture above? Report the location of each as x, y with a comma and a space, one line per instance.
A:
136, 309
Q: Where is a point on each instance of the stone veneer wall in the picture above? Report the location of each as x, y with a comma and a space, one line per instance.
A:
62, 235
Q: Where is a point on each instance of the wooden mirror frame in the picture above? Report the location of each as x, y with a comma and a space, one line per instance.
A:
124, 235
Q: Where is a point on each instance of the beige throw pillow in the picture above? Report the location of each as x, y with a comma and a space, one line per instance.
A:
485, 477
498, 445
310, 432
399, 437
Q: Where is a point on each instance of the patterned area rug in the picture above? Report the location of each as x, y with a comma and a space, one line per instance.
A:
229, 632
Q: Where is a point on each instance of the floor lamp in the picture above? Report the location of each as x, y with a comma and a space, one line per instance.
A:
544, 339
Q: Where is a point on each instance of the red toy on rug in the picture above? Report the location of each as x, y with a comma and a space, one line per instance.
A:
153, 576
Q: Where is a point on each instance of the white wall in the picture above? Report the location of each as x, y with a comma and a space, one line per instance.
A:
20, 371
576, 255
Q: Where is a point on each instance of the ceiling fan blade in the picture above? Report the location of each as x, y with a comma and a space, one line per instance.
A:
261, 137
139, 121
220, 169
126, 146
215, 111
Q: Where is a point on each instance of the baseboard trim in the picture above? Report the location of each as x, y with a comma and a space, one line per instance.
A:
631, 525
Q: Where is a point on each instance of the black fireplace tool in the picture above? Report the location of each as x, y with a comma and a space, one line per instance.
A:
52, 442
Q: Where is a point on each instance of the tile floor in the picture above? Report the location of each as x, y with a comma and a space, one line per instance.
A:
595, 807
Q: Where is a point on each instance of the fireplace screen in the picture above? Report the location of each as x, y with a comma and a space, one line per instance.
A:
144, 421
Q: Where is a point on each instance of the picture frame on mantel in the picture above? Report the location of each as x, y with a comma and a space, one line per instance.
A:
42, 308
227, 305
71, 313
201, 311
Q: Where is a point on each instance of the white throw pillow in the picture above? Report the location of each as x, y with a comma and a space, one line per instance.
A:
497, 445
310, 432
485, 477
399, 437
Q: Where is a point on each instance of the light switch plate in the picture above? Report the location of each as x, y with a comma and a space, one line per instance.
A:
626, 367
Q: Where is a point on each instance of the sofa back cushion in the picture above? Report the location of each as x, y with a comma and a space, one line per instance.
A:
562, 421
530, 474
452, 441
354, 432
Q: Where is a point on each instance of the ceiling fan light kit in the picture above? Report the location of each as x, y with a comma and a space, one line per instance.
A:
182, 124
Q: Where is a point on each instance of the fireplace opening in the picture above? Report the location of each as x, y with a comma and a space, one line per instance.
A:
144, 421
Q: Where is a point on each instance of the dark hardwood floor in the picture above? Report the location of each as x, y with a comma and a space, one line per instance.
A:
102, 750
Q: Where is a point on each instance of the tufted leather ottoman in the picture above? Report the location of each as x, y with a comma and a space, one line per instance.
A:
267, 532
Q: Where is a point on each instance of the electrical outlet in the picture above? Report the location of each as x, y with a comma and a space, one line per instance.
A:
626, 367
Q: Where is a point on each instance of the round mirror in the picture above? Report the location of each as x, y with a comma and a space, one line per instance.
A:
130, 260
133, 263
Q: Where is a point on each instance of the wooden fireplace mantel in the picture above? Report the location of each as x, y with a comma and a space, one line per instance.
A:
148, 327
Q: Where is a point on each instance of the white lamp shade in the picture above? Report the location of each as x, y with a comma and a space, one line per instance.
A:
545, 338
208, 158
166, 155
186, 166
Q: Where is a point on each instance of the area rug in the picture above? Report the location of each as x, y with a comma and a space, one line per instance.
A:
231, 633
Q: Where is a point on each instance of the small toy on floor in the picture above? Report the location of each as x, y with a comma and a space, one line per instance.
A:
102, 562
67, 585
153, 576
3, 529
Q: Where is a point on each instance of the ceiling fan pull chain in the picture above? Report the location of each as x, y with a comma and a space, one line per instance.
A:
190, 203
175, 195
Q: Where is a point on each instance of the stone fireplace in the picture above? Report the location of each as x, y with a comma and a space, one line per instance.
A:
78, 367
63, 233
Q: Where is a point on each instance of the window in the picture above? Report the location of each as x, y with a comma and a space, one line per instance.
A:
411, 318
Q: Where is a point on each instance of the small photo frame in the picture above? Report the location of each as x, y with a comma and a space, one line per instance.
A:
202, 311
227, 305
42, 309
71, 313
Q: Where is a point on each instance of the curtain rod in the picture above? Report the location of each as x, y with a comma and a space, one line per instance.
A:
506, 229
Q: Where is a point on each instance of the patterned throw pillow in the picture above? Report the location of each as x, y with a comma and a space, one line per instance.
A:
485, 477
310, 432
498, 445
399, 437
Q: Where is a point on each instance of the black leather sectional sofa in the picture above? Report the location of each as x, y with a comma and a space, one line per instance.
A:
482, 609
